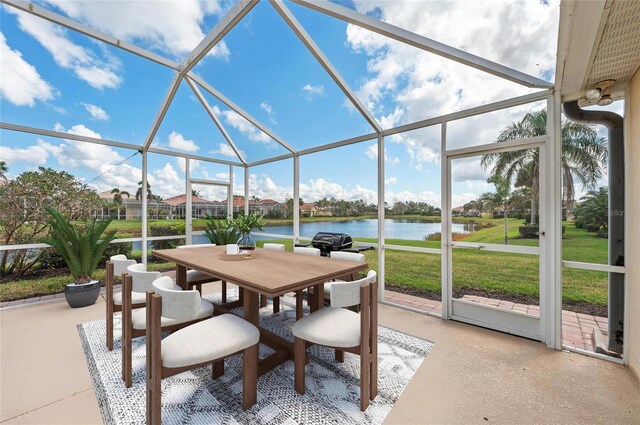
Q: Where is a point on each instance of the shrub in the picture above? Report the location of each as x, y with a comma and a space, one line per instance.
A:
592, 228
81, 245
527, 218
221, 232
50, 259
529, 232
603, 232
166, 230
116, 248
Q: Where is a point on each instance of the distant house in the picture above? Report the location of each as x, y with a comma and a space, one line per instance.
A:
460, 212
131, 209
265, 206
262, 207
200, 207
309, 210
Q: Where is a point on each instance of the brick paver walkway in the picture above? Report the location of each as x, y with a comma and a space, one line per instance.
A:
577, 328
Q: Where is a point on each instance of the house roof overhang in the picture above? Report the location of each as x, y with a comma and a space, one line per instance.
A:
598, 40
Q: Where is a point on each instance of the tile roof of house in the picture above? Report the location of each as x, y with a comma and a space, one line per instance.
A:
182, 199
307, 206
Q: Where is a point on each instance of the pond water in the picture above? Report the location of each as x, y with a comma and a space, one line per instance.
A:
364, 228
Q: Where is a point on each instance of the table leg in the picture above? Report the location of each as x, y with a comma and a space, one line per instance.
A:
251, 307
299, 312
318, 299
181, 276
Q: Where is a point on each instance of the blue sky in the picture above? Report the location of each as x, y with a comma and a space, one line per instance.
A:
56, 79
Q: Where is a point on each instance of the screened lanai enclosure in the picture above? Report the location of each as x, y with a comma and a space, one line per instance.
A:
218, 120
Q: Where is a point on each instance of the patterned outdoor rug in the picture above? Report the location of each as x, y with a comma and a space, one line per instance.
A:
332, 389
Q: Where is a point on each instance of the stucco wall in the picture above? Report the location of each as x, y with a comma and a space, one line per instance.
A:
633, 222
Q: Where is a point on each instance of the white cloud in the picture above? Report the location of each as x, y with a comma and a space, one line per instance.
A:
34, 154
225, 150
181, 162
265, 106
124, 177
173, 27
21, 84
390, 180
321, 188
83, 61
312, 91
469, 169
96, 111
372, 153
75, 154
404, 84
243, 126
177, 141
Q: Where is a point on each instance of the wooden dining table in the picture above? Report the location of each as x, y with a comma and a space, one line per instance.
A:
267, 272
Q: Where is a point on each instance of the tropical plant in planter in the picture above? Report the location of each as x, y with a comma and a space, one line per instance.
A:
82, 247
221, 231
245, 223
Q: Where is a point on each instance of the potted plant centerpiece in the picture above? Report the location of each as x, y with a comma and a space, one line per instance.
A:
82, 246
245, 223
221, 231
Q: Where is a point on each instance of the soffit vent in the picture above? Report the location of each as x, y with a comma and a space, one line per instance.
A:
618, 55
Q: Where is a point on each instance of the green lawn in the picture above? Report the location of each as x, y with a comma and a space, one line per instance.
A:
489, 271
33, 287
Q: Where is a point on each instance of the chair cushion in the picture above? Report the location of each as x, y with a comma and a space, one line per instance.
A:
327, 288
208, 340
139, 316
197, 276
136, 298
333, 327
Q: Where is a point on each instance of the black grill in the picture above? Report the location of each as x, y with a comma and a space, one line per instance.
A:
327, 242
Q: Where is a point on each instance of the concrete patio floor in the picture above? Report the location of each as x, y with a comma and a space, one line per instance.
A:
472, 375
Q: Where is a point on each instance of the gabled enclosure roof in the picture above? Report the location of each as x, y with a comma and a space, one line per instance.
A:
186, 73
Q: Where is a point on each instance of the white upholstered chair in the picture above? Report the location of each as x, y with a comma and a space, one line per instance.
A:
138, 279
302, 250
338, 255
197, 278
116, 267
276, 300
344, 330
206, 342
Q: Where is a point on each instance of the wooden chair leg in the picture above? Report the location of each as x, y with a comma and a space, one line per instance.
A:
276, 304
240, 295
365, 380
365, 351
299, 355
339, 356
154, 361
299, 306
126, 332
224, 291
263, 300
250, 376
374, 342
110, 325
109, 295
217, 369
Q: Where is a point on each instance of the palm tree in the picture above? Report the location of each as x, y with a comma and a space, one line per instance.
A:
118, 198
594, 209
3, 170
139, 192
583, 154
